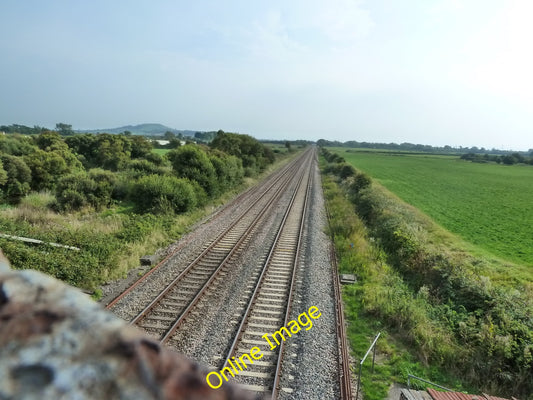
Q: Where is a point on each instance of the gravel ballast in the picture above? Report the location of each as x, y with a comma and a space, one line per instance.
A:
310, 368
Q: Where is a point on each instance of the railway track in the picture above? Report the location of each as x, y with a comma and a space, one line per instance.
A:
266, 294
270, 304
166, 311
254, 193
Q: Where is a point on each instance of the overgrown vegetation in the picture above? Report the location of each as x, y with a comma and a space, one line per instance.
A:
111, 196
438, 300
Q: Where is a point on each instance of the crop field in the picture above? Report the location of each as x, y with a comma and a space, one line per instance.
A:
488, 205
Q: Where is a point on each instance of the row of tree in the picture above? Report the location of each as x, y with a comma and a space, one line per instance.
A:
97, 170
417, 147
508, 159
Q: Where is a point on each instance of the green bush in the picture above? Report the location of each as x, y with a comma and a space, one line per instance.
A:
163, 195
18, 178
254, 155
79, 190
191, 162
136, 227
228, 169
346, 171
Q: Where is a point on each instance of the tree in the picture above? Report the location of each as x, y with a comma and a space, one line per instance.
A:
163, 195
3, 175
16, 144
46, 168
191, 162
346, 170
78, 190
49, 139
140, 147
18, 178
50, 160
508, 160
360, 182
254, 155
169, 135
288, 145
112, 152
64, 129
22, 129
72, 191
228, 169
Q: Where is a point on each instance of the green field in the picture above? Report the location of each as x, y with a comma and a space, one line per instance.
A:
161, 152
488, 205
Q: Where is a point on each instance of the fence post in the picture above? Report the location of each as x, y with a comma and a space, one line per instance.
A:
372, 346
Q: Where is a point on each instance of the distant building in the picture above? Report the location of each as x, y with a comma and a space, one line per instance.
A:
165, 142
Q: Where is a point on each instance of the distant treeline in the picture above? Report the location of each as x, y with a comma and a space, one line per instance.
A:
22, 129
418, 147
298, 143
508, 159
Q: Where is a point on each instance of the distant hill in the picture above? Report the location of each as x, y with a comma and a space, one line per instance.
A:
141, 129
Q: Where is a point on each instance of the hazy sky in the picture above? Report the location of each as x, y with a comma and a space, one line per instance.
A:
423, 71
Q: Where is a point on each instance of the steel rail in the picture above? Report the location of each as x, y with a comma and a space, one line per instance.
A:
344, 358
277, 374
251, 303
193, 263
277, 175
206, 285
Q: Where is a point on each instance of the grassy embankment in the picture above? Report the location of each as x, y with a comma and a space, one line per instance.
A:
428, 294
111, 241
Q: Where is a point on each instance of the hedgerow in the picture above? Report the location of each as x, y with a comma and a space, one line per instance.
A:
440, 299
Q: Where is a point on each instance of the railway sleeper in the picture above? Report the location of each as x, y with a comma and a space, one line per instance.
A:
262, 326
262, 319
280, 269
254, 388
194, 278
275, 281
190, 287
176, 297
150, 328
267, 291
159, 318
268, 304
268, 312
275, 297
256, 374
278, 302
253, 342
171, 304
